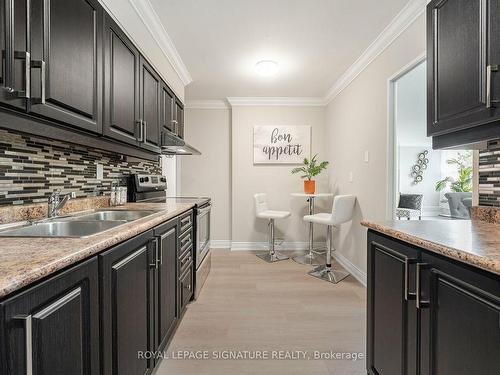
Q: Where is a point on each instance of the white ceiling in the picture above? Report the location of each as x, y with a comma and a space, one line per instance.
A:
313, 41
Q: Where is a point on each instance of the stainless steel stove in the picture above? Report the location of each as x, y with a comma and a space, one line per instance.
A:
152, 189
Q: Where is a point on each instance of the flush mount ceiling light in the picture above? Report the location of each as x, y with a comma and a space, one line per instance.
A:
266, 68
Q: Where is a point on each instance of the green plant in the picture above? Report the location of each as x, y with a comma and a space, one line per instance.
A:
311, 168
464, 181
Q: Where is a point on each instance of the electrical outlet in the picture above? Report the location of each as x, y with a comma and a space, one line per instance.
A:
99, 171
350, 176
367, 156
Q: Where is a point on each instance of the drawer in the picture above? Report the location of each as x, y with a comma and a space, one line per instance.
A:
186, 221
185, 288
185, 241
186, 260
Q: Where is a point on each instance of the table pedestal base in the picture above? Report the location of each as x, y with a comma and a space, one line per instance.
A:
310, 258
271, 258
329, 274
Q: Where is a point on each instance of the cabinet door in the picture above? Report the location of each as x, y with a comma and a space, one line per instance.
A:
166, 296
167, 109
53, 328
186, 283
179, 108
66, 35
127, 273
458, 83
460, 319
121, 86
392, 315
15, 46
150, 85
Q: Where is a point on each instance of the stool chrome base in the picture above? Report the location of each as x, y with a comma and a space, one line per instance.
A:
310, 258
329, 274
271, 258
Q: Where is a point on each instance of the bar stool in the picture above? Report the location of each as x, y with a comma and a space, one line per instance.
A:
342, 210
263, 212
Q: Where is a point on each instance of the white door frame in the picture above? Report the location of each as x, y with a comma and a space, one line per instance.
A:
392, 165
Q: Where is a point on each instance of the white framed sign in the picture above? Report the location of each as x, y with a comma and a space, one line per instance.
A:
281, 144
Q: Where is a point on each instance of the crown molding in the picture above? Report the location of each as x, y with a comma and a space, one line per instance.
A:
207, 104
153, 23
276, 101
400, 23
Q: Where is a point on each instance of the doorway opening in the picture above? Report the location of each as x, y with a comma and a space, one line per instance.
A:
437, 183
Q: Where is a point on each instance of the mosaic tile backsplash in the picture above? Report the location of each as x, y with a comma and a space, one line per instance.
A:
489, 175
32, 167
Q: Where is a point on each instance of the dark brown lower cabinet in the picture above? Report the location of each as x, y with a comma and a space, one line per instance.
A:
428, 314
53, 327
127, 318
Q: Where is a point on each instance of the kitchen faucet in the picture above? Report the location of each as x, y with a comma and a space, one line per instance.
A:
56, 203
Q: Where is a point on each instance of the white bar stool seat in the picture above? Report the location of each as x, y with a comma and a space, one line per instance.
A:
263, 212
342, 211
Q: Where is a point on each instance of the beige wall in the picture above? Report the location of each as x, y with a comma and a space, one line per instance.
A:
209, 173
275, 180
125, 14
356, 121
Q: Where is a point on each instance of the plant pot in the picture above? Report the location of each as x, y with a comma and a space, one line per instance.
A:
309, 186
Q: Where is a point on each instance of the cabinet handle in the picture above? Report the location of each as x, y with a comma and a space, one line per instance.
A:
144, 128
28, 337
188, 287
489, 70
154, 265
408, 295
40, 64
421, 304
159, 253
138, 124
187, 219
24, 55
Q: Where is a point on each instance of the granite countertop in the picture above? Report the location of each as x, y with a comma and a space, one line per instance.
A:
25, 260
475, 242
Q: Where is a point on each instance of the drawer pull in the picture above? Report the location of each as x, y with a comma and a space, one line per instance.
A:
408, 295
28, 337
421, 304
156, 259
489, 70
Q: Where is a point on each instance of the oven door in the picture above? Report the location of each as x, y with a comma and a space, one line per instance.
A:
202, 233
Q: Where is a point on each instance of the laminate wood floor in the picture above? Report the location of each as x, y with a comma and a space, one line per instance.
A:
248, 307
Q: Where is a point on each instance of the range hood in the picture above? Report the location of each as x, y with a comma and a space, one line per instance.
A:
173, 145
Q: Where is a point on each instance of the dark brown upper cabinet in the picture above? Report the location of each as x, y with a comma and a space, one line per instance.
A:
150, 88
15, 44
67, 70
179, 118
121, 86
167, 108
66, 66
463, 83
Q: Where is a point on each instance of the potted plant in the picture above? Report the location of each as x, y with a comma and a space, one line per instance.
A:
310, 169
464, 181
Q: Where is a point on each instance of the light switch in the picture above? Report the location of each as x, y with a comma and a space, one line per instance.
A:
367, 156
99, 171
350, 177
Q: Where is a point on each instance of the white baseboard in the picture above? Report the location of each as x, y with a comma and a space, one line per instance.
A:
285, 246
220, 244
349, 266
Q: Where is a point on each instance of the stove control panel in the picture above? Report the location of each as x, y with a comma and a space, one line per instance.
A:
150, 182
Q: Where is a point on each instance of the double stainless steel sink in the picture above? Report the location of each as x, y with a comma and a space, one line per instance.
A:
82, 225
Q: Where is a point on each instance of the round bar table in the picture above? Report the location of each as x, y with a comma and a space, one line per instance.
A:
312, 257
